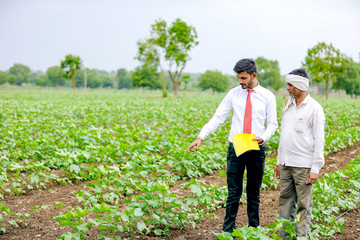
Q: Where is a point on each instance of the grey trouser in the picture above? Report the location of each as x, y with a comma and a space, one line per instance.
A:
294, 190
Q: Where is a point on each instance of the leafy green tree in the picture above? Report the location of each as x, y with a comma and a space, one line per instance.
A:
214, 80
149, 55
71, 65
93, 79
39, 78
269, 73
80, 78
12, 79
146, 77
170, 45
324, 62
4, 77
123, 79
107, 82
349, 80
21, 73
55, 76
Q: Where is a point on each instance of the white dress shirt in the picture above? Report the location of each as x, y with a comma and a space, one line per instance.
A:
302, 136
263, 110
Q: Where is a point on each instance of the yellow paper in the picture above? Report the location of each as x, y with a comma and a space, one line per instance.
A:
243, 143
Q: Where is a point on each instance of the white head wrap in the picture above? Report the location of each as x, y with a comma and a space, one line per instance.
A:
300, 83
297, 81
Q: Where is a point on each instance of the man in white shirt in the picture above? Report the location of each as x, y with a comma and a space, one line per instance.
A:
252, 106
301, 151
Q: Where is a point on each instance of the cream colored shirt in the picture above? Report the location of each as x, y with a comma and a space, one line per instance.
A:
263, 110
302, 136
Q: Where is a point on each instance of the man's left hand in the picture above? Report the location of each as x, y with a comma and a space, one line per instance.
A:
259, 140
312, 178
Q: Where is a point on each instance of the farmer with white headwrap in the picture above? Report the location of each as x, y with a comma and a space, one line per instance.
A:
301, 151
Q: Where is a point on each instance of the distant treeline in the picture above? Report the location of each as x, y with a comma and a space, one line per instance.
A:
21, 75
344, 76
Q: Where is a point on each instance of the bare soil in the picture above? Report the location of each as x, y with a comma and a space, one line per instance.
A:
42, 226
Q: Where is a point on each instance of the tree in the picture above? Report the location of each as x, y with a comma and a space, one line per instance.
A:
93, 79
324, 62
39, 78
71, 65
149, 56
56, 76
12, 79
171, 45
4, 77
349, 80
21, 73
123, 79
214, 80
146, 77
269, 73
107, 82
80, 78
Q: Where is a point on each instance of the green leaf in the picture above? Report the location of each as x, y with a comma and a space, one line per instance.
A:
100, 235
66, 216
141, 226
222, 173
196, 189
224, 236
74, 169
103, 207
138, 212
5, 209
68, 236
124, 217
81, 227
59, 204
158, 232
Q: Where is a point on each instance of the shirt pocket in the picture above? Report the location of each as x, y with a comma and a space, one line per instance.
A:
301, 138
302, 127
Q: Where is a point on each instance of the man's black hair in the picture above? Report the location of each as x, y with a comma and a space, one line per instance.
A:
300, 72
245, 64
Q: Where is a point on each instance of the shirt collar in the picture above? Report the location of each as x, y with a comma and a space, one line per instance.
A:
305, 101
256, 89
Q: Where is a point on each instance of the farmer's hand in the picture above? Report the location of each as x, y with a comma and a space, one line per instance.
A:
312, 178
195, 145
277, 172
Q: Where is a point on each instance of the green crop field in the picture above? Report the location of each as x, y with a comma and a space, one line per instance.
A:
127, 148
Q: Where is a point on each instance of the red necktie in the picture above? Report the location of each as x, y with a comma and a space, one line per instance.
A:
248, 113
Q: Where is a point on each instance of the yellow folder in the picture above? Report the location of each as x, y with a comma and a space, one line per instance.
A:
242, 143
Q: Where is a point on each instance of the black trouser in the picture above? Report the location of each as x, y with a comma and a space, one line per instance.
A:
254, 162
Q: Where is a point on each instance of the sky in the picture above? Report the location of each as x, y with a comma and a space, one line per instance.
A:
104, 33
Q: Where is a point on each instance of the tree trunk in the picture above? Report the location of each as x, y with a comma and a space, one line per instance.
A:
164, 92
73, 81
326, 87
176, 89
177, 82
173, 81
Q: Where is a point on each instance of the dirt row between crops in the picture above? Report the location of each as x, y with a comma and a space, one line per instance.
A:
42, 226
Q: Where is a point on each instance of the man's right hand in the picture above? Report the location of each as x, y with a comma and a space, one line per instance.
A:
195, 145
277, 172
